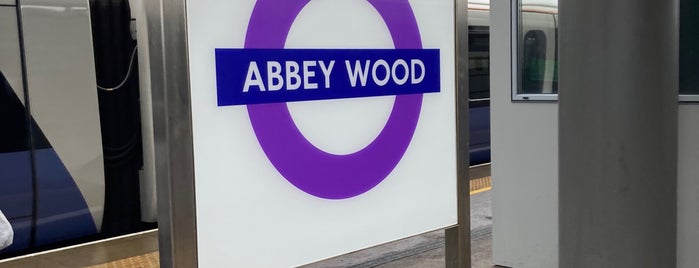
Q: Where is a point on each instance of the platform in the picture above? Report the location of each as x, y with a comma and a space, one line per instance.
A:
422, 251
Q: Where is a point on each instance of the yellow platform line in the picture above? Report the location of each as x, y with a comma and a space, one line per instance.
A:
150, 260
480, 185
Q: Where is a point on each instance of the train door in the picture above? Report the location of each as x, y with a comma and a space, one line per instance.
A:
16, 195
70, 149
52, 184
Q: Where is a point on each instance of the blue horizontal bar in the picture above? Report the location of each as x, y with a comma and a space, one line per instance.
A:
254, 76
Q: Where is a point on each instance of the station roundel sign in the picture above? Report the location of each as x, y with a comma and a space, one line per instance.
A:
310, 169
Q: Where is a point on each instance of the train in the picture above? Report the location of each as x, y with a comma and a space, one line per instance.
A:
77, 149
71, 149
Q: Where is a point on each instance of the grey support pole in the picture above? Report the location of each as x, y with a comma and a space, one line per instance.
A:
618, 133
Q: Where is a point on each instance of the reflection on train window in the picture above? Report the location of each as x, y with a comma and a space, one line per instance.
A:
536, 65
689, 47
533, 61
537, 57
478, 63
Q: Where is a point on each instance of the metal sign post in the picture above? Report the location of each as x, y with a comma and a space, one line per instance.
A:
458, 238
172, 121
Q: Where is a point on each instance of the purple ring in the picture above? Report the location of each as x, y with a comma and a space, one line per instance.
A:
305, 166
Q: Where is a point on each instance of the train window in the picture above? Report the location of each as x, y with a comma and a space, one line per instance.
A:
536, 50
478, 63
689, 50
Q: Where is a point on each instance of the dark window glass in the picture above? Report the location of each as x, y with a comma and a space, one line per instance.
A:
536, 64
533, 61
689, 47
537, 47
13, 118
478, 63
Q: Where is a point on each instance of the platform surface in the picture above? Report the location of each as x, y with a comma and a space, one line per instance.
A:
422, 251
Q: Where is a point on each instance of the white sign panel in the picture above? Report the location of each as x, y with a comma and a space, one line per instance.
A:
320, 127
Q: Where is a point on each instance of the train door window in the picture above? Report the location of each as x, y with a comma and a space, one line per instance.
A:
536, 50
689, 50
478, 65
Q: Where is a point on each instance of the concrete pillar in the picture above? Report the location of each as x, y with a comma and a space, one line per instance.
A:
618, 133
